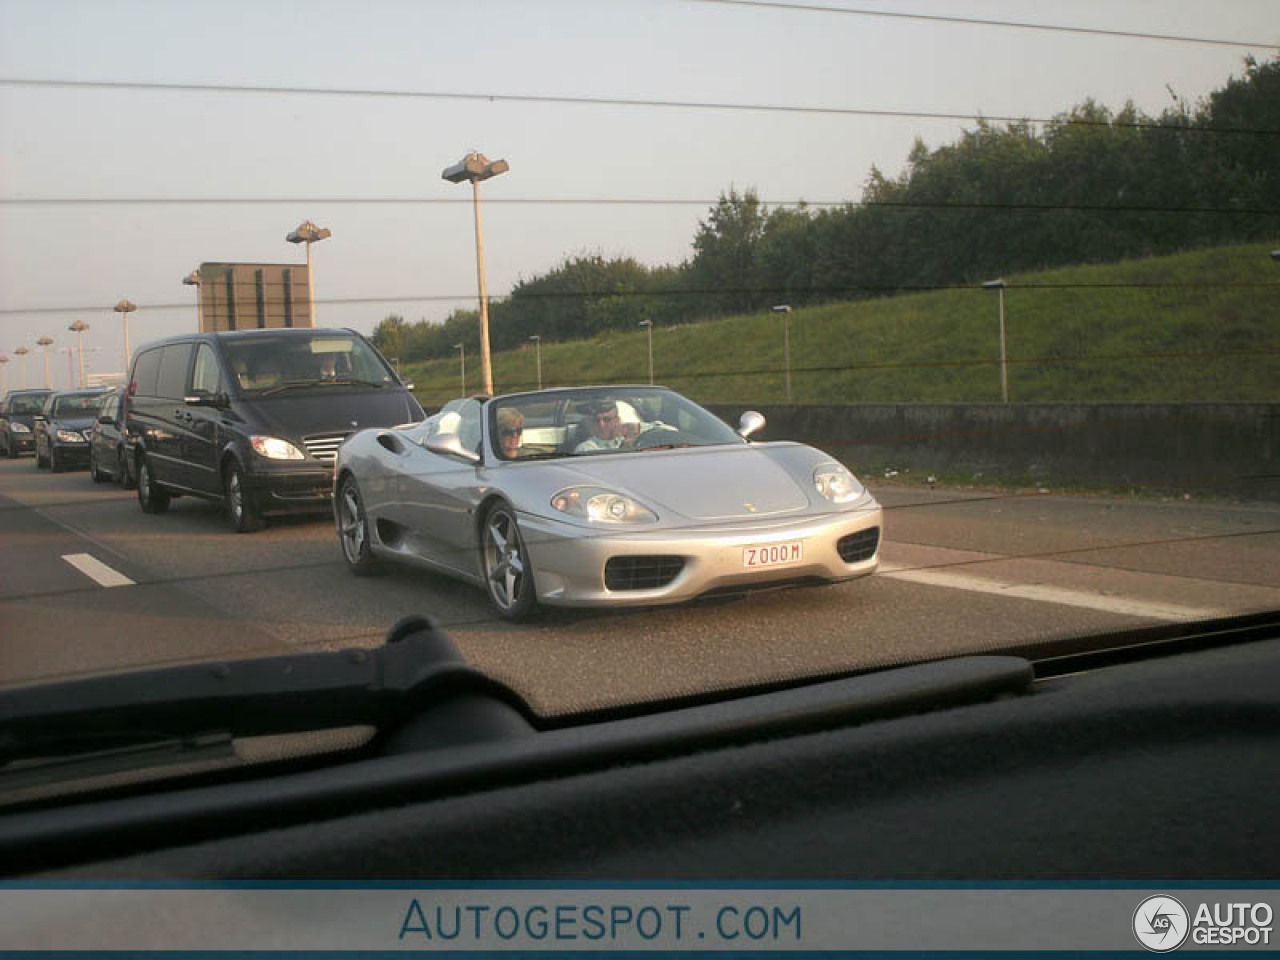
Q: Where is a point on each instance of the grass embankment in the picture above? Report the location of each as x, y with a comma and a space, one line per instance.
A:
1194, 327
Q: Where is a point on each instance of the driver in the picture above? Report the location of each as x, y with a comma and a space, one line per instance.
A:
609, 431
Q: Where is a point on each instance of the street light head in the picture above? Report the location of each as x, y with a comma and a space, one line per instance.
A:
782, 308
78, 327
994, 284
308, 232
22, 351
44, 341
535, 337
1275, 255
474, 167
192, 279
125, 306
645, 323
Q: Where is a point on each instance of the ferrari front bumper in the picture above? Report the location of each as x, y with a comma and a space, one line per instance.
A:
579, 567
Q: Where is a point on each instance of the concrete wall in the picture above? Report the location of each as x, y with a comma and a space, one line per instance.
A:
1224, 448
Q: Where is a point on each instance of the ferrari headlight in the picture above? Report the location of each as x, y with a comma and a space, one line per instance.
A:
274, 448
601, 506
18, 427
836, 483
70, 436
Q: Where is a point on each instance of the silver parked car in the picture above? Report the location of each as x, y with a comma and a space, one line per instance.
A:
600, 496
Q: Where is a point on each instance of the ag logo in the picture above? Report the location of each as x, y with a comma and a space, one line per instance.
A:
1161, 923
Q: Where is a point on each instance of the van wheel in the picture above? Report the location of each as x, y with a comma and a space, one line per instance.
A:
242, 508
150, 497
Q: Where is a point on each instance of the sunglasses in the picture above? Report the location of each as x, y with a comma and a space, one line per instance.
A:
511, 431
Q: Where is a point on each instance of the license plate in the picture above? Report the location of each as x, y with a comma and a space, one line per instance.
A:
773, 554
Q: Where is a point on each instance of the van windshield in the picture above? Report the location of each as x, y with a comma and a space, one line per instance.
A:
262, 364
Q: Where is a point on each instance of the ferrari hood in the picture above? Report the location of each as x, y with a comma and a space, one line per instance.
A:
712, 483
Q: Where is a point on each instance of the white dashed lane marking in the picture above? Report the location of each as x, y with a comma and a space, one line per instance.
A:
96, 570
1128, 606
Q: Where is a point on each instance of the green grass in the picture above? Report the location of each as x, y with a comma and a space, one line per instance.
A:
1128, 344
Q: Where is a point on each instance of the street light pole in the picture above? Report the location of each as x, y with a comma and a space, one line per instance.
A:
475, 167
537, 343
78, 328
648, 324
309, 233
21, 354
125, 307
46, 342
462, 348
785, 310
1004, 360
192, 279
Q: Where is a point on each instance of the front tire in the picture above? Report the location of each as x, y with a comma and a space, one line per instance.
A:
353, 529
242, 510
150, 497
508, 574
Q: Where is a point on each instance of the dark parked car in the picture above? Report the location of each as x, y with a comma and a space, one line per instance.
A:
62, 429
110, 447
255, 418
17, 421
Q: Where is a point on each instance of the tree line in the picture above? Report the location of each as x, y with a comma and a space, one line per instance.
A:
1091, 186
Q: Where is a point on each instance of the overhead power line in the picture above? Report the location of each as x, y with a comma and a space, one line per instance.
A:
982, 22
674, 292
125, 85
640, 202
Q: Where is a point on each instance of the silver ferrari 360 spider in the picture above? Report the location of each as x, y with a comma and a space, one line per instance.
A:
600, 496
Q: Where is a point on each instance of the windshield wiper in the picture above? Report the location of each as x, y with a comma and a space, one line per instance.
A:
203, 704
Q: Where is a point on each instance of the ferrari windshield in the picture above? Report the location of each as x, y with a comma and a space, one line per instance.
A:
604, 420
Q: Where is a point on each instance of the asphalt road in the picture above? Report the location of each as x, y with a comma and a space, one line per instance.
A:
88, 583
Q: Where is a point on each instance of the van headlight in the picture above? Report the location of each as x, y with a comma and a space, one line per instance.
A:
601, 506
273, 448
836, 483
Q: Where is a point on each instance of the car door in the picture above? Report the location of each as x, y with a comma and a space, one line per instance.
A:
435, 492
203, 436
102, 438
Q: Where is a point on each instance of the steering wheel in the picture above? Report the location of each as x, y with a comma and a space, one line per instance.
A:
663, 437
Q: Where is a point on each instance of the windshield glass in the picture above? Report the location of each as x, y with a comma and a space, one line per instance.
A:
27, 403
263, 363
758, 342
614, 420
76, 405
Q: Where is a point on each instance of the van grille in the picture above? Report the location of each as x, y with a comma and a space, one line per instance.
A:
324, 447
641, 573
859, 546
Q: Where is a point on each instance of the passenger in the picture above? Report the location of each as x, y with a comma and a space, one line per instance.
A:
510, 432
609, 432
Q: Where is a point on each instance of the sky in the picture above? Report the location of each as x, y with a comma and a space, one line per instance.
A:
110, 191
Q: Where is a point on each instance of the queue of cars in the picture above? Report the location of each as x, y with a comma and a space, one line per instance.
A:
595, 496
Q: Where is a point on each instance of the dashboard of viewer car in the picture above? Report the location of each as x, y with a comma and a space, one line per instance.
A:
1149, 754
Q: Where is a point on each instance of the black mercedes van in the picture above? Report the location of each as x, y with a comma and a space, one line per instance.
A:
254, 418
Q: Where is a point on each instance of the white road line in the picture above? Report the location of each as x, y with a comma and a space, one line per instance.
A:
96, 570
1128, 606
